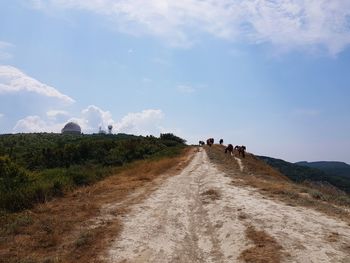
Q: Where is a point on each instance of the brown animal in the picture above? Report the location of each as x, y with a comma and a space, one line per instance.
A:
241, 150
210, 141
229, 149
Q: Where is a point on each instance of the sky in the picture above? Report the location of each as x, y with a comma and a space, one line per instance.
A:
273, 75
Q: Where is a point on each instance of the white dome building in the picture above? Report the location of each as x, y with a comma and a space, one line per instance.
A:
71, 128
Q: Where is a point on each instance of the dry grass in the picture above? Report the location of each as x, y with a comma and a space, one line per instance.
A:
273, 184
252, 164
60, 230
259, 168
333, 237
242, 216
265, 249
212, 194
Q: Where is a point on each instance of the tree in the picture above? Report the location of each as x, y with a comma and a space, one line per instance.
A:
172, 137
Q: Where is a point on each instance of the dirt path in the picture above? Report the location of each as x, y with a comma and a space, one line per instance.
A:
239, 161
200, 215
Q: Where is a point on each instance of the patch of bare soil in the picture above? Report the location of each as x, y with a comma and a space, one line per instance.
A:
75, 228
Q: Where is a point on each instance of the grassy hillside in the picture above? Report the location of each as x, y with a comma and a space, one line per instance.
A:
299, 173
284, 181
36, 167
331, 168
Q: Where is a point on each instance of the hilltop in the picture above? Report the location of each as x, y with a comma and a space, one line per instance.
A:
180, 204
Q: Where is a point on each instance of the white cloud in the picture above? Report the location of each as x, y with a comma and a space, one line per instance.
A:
141, 123
36, 124
3, 53
185, 89
287, 24
4, 44
93, 117
56, 113
145, 122
12, 80
58, 116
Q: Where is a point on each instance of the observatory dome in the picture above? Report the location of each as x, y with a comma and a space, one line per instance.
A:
71, 128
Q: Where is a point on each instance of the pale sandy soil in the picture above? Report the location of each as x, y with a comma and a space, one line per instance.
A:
239, 161
200, 215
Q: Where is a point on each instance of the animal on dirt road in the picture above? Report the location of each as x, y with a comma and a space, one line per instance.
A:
221, 141
229, 149
241, 150
201, 143
210, 141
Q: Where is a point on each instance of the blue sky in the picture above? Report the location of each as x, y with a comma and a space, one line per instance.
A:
272, 75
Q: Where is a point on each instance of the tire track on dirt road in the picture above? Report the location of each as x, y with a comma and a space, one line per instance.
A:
173, 224
199, 215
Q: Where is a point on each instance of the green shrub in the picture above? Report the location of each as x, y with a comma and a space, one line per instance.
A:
57, 188
11, 176
42, 166
172, 137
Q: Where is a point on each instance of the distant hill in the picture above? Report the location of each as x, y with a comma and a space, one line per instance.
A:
299, 172
332, 168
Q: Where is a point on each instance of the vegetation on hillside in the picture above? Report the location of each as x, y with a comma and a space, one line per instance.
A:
36, 167
331, 168
275, 183
298, 173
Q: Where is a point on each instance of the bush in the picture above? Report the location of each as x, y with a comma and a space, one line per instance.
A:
11, 176
172, 137
13, 181
42, 166
15, 200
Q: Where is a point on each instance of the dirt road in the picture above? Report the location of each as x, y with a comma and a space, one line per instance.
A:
200, 215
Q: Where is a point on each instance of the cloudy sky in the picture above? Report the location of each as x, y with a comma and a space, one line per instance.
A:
270, 74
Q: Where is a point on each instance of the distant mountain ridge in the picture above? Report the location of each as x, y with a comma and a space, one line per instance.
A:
335, 173
329, 167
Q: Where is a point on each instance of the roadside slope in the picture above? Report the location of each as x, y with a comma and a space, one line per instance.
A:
273, 184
